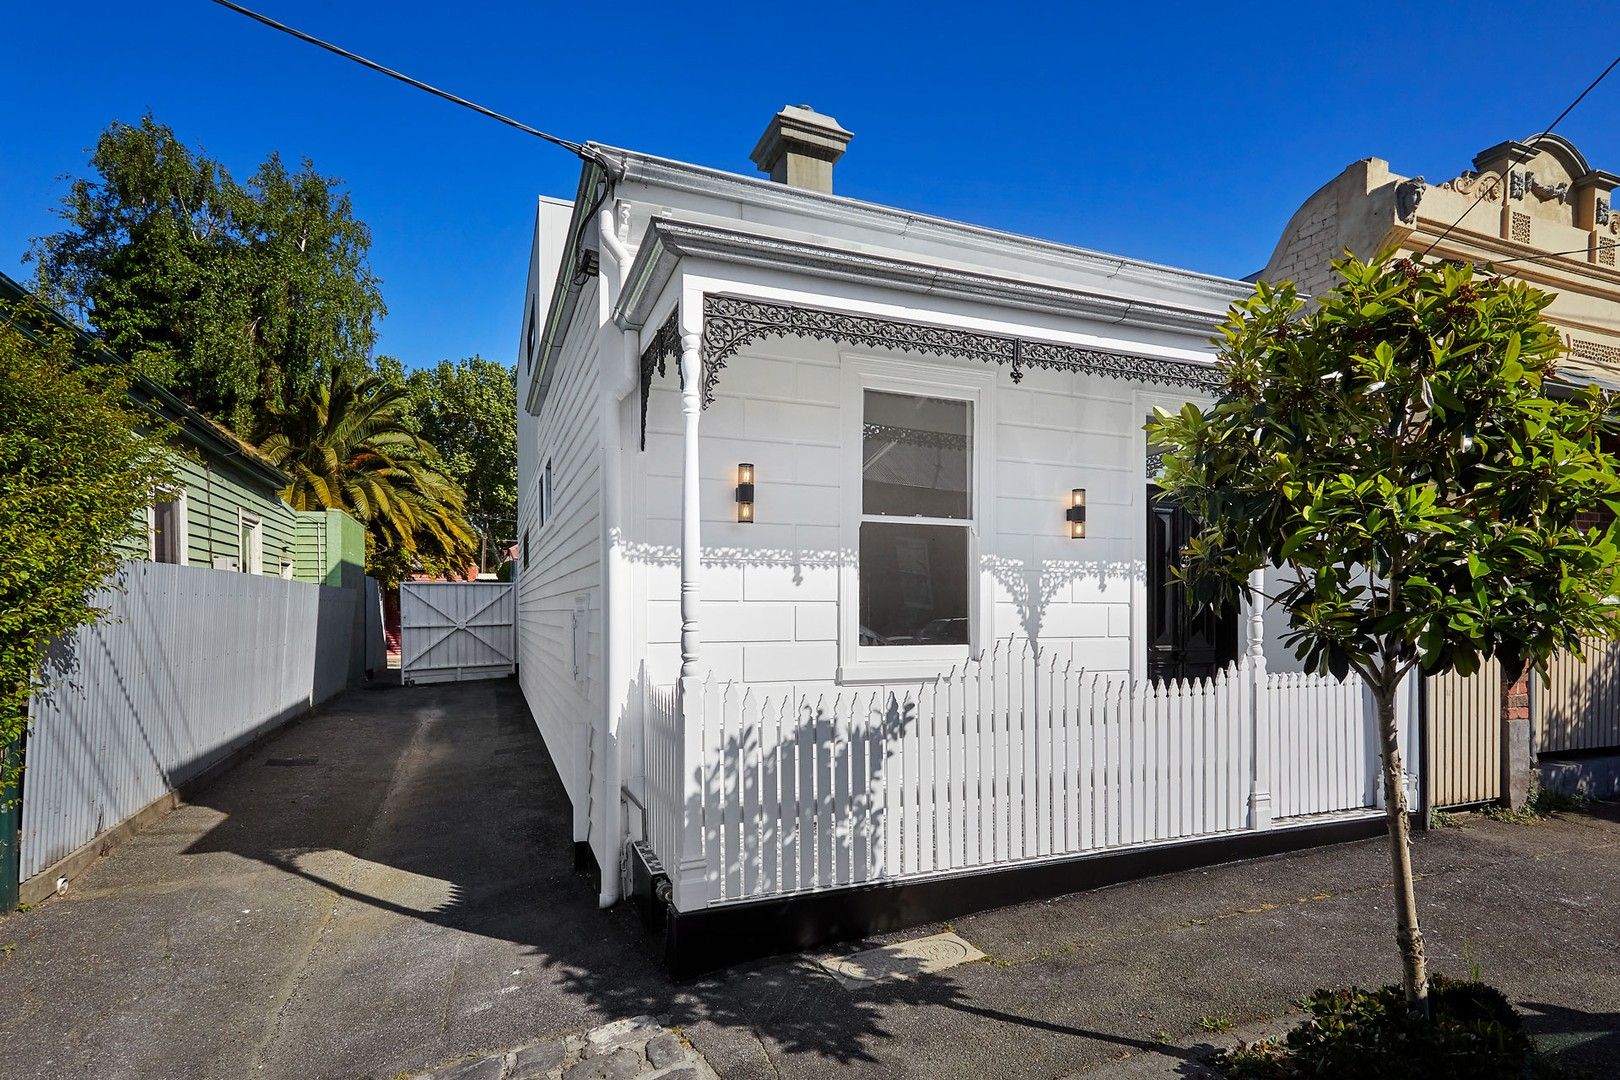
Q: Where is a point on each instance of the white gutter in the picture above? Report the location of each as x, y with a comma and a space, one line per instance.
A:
619, 378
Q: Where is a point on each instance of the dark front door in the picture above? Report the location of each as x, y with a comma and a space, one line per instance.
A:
1183, 643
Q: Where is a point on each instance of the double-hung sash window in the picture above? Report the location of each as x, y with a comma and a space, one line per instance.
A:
916, 580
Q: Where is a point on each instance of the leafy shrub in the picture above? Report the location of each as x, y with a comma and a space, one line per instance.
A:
1359, 1034
78, 464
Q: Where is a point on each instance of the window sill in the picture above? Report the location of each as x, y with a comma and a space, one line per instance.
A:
899, 671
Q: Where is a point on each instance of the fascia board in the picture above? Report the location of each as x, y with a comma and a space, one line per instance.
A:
668, 239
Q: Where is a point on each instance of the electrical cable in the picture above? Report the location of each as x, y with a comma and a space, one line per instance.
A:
1548, 130
1534, 258
567, 144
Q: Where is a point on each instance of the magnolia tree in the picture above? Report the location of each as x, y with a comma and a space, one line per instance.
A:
1395, 451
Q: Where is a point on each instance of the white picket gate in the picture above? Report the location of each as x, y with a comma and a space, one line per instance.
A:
1007, 759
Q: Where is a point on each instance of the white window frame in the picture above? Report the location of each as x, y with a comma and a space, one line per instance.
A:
861, 372
182, 524
542, 494
250, 561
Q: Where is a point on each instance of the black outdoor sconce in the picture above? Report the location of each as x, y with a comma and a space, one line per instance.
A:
1076, 515
745, 492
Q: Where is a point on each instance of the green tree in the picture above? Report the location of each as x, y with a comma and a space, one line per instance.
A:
468, 411
237, 297
78, 465
1395, 451
348, 446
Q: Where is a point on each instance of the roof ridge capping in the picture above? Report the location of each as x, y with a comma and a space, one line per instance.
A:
651, 169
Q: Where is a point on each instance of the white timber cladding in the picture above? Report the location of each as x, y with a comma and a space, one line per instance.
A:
558, 583
564, 562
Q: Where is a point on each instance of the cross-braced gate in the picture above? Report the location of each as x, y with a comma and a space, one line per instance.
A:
451, 631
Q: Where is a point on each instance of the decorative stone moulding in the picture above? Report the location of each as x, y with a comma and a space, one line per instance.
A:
1486, 186
731, 322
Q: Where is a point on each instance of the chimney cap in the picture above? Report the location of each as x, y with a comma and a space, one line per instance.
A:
799, 147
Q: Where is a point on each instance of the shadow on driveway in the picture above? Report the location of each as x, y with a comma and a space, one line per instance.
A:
389, 885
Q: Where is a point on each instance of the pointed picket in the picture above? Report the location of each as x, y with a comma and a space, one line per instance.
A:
923, 719
1022, 700
781, 816
860, 796
711, 781
1047, 816
985, 726
1097, 749
1071, 759
730, 790
748, 758
893, 792
1136, 830
827, 794
1226, 742
939, 801
964, 770
804, 758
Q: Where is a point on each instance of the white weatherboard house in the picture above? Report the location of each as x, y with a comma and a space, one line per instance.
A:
843, 595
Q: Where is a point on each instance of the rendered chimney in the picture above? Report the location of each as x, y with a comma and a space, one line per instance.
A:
799, 148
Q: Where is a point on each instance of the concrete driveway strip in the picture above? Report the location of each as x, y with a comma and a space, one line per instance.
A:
386, 888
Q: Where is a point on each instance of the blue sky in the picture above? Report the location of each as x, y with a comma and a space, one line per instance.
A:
1183, 135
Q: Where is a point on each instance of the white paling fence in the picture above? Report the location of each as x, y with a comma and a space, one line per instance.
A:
1325, 754
187, 664
1010, 758
660, 769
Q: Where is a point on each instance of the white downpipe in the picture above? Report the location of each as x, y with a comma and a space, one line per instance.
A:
618, 380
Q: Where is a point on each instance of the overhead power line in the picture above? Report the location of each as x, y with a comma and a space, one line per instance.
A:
1534, 258
1548, 130
566, 144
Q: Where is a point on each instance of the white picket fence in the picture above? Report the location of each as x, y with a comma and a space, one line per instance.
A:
1010, 758
662, 793
1325, 756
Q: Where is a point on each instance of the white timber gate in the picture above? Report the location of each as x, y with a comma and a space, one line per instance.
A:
452, 631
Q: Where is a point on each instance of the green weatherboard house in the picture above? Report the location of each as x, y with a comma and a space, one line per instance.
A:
224, 511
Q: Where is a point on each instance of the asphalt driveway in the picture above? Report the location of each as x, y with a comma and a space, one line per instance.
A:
387, 886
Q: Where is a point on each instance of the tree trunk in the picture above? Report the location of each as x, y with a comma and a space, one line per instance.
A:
1408, 937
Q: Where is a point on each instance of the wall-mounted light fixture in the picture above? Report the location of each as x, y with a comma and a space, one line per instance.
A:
1076, 515
745, 492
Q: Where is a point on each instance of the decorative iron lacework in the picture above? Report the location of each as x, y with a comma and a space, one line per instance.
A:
944, 440
665, 346
1155, 464
731, 322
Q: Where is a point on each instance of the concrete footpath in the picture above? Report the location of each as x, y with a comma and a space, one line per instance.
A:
386, 889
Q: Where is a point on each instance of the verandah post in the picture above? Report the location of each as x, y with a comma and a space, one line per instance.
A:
692, 887
1259, 711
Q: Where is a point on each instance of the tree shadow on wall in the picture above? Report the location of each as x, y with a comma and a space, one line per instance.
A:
1035, 585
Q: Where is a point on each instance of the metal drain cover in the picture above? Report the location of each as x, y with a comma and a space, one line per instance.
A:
902, 960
